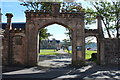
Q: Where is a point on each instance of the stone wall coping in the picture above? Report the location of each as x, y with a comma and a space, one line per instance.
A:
40, 11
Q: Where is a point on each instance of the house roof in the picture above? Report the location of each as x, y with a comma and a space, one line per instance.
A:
58, 41
14, 25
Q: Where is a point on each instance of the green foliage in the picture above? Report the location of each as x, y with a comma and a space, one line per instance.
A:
72, 7
43, 34
43, 6
66, 44
46, 6
110, 15
32, 5
88, 40
69, 34
38, 5
90, 16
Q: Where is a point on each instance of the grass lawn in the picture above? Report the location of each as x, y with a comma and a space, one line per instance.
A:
88, 54
52, 52
48, 52
67, 51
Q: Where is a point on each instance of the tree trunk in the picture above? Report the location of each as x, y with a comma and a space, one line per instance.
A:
109, 35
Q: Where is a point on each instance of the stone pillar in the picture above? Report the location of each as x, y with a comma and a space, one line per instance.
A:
7, 42
1, 48
99, 24
78, 45
74, 52
100, 56
32, 54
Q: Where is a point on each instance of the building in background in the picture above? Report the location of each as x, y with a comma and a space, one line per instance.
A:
50, 44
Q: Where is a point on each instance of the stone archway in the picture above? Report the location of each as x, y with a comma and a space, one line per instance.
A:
37, 20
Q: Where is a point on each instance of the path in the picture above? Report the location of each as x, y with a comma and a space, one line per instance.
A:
59, 69
88, 72
55, 61
61, 51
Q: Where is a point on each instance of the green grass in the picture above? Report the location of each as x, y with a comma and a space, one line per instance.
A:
48, 52
88, 54
52, 52
67, 51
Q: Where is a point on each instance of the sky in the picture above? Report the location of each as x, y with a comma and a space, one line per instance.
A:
17, 10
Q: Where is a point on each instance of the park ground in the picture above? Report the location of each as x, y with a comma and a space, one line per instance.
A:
58, 68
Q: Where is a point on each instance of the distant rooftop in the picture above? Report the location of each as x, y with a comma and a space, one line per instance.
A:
14, 25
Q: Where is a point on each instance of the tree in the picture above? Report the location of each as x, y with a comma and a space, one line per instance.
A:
66, 44
110, 14
43, 34
69, 34
43, 6
72, 7
88, 40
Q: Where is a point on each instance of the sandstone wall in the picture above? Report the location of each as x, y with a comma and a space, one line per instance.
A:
18, 49
112, 51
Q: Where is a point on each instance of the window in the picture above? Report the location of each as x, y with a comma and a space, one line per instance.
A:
18, 40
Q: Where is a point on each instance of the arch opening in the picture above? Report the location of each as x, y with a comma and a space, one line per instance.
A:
52, 23
91, 48
56, 46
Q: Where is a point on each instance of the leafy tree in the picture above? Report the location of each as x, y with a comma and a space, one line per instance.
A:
71, 7
43, 6
66, 44
31, 5
44, 34
69, 34
110, 12
110, 15
88, 40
